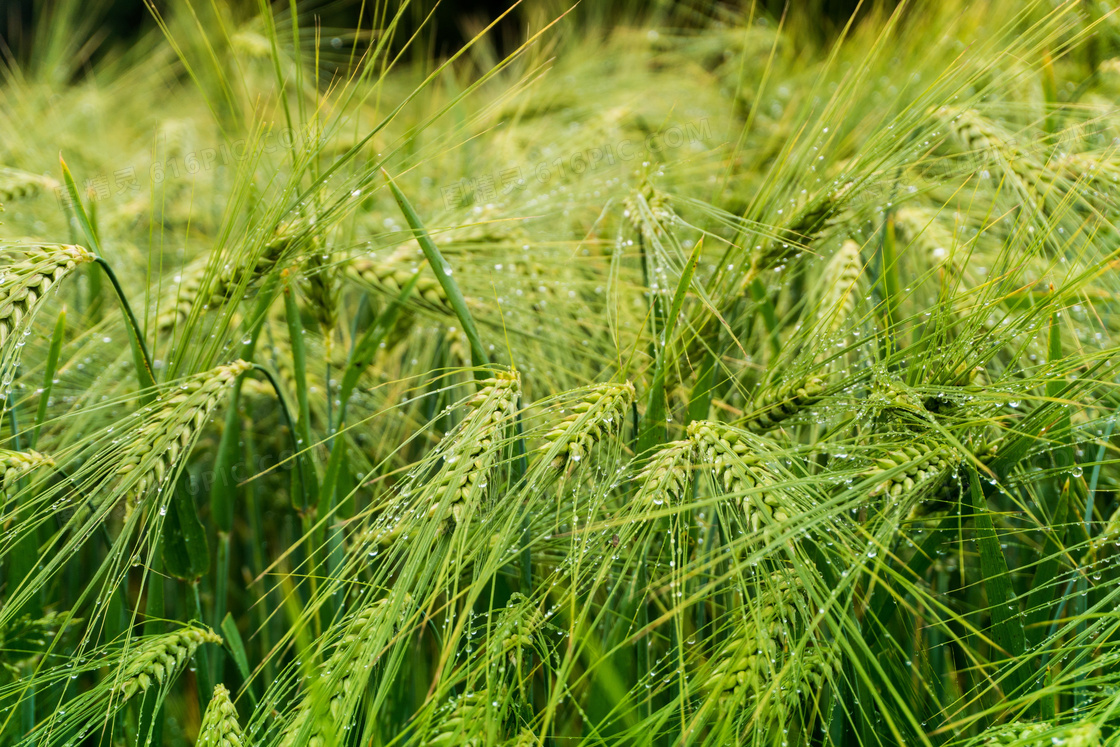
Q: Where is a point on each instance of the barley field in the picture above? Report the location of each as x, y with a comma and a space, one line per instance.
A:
668, 373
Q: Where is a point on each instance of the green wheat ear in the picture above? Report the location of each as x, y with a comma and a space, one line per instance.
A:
472, 451
392, 274
17, 185
600, 412
666, 477
16, 465
739, 472
220, 727
170, 432
841, 290
27, 273
778, 403
158, 659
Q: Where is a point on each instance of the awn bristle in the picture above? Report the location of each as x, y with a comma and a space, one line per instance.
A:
171, 431
776, 404
601, 412
220, 727
18, 464
24, 284
159, 658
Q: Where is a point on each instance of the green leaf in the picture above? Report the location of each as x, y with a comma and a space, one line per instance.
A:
1007, 622
443, 275
185, 552
49, 373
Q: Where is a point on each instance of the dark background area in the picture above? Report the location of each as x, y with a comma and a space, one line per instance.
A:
120, 21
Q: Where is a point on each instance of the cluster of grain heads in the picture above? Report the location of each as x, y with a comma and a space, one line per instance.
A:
18, 464
600, 412
170, 431
26, 274
220, 727
17, 185
776, 404
390, 275
739, 472
666, 476
840, 283
158, 659
472, 449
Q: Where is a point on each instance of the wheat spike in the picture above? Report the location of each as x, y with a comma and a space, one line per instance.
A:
779, 403
197, 285
981, 137
738, 469
17, 185
842, 274
922, 464
602, 411
759, 655
806, 225
333, 697
18, 464
25, 282
322, 289
471, 449
464, 726
667, 475
392, 274
220, 727
157, 659
922, 229
647, 211
524, 738
171, 431
517, 625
